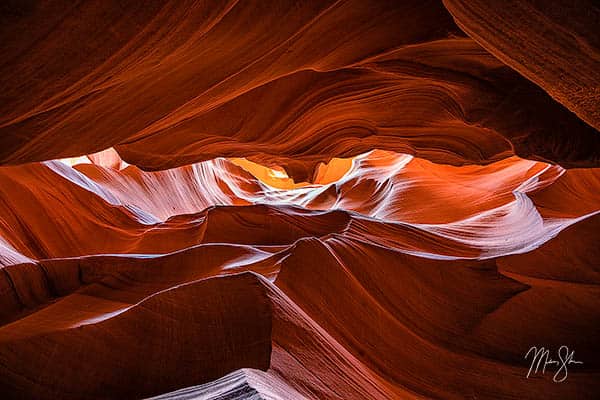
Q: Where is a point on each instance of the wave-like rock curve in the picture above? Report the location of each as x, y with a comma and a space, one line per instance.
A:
299, 200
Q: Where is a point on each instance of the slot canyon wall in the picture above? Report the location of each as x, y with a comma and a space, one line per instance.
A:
299, 199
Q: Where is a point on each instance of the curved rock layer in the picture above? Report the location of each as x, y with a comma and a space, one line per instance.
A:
475, 211
170, 83
299, 200
343, 289
558, 45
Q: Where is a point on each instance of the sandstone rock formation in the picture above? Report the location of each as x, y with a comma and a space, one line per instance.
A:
298, 200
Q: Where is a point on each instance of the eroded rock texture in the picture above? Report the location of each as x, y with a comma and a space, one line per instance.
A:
298, 200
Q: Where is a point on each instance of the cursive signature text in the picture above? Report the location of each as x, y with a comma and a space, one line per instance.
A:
541, 359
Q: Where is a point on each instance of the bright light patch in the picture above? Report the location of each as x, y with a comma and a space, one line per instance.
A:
278, 178
71, 161
273, 173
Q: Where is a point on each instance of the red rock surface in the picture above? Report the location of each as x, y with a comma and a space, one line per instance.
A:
298, 200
